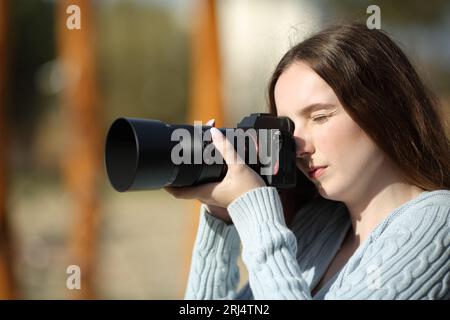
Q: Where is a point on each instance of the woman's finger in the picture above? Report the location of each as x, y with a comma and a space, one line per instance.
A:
201, 192
225, 148
173, 191
211, 122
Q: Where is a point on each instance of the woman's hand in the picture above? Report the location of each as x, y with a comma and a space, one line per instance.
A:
218, 195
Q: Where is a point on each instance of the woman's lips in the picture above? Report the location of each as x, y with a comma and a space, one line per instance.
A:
317, 172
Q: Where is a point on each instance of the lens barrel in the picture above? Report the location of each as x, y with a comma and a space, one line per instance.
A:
138, 156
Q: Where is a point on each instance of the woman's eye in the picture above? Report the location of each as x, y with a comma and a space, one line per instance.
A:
320, 119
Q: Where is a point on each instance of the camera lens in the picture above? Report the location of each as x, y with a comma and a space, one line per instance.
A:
138, 156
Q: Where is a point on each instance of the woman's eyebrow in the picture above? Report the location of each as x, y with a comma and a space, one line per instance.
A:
315, 106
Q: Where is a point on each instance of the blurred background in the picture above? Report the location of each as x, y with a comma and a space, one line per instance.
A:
173, 60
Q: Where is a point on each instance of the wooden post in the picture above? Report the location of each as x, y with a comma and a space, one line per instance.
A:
82, 162
205, 92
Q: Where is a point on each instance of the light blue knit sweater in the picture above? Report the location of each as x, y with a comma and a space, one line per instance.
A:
407, 256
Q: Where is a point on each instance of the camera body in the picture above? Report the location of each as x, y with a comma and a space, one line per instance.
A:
283, 160
147, 154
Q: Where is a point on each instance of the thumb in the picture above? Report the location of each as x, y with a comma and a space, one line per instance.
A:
225, 147
211, 122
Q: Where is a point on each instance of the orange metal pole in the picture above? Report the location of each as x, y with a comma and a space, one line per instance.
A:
7, 282
205, 92
82, 163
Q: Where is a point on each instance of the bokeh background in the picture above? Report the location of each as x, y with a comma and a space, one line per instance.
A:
173, 60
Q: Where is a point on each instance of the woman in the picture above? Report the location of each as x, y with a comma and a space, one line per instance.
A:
371, 140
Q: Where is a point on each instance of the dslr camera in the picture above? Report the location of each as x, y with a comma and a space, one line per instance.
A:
147, 154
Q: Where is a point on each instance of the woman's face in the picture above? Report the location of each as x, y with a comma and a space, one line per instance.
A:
326, 136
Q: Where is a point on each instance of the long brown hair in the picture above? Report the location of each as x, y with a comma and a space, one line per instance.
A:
383, 94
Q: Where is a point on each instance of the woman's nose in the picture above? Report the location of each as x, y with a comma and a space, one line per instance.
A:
304, 146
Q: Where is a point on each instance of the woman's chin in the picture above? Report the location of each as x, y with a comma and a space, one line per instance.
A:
328, 191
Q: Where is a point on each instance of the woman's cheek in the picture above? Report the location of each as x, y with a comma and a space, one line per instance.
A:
339, 143
332, 142
353, 149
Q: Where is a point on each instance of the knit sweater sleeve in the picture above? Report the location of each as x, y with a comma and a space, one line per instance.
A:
214, 273
269, 247
406, 258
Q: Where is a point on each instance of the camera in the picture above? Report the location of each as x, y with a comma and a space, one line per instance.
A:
148, 154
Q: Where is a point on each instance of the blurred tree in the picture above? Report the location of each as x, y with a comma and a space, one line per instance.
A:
143, 61
31, 43
82, 165
7, 281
